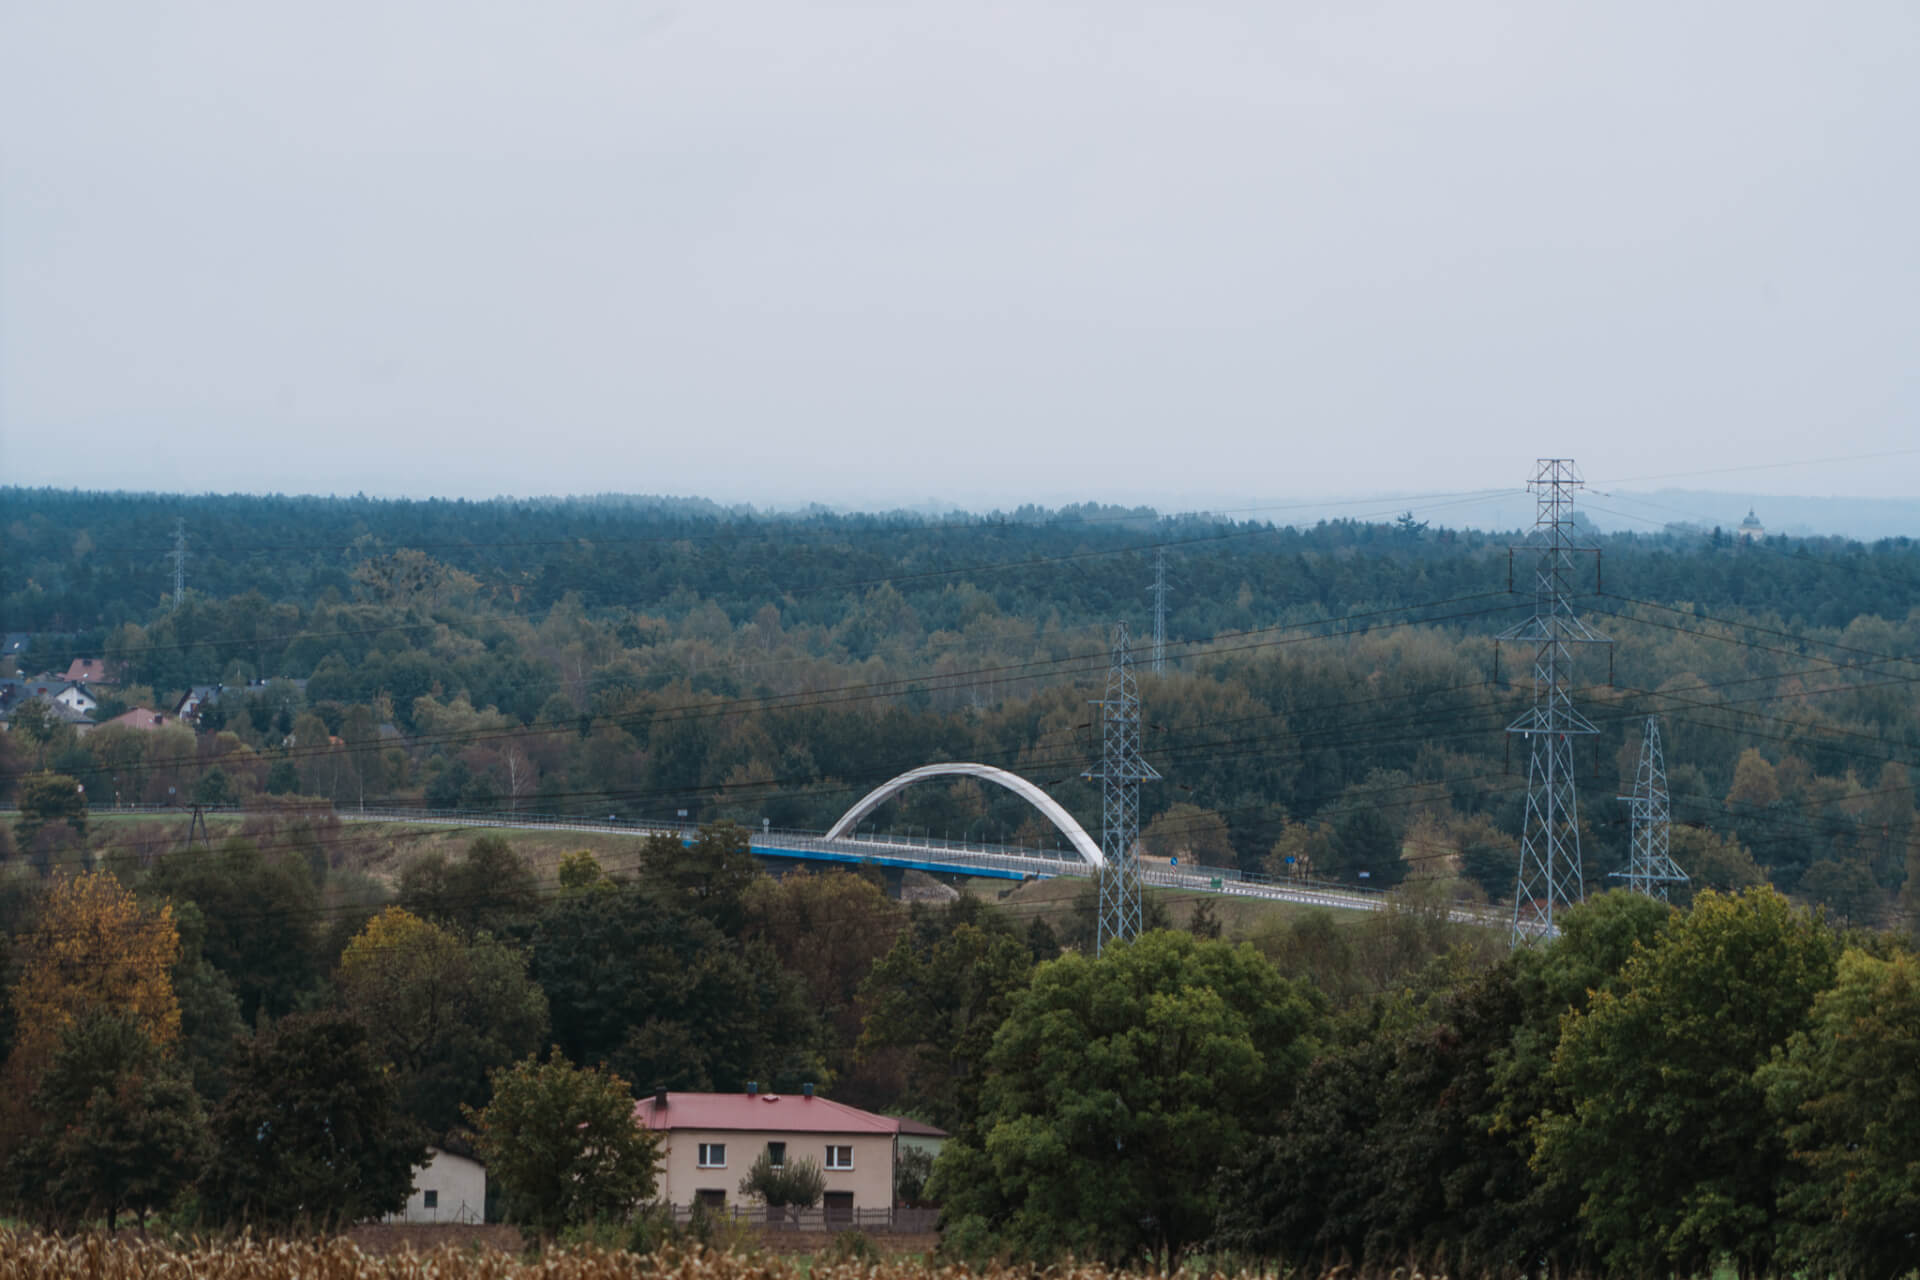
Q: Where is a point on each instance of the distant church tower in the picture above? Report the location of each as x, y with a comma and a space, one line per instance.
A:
1751, 529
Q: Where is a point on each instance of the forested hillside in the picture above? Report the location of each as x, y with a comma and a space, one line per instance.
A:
1642, 1092
1330, 693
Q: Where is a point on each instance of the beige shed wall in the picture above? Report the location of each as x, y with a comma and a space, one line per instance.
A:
870, 1179
461, 1184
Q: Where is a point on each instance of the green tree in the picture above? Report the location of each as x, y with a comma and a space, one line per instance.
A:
796, 1184
939, 995
563, 1144
829, 929
1412, 1137
44, 798
445, 1012
666, 997
35, 723
311, 1130
491, 888
210, 1024
581, 871
283, 779
1116, 1090
709, 877
1847, 1097
122, 1128
1366, 847
1191, 832
911, 1169
259, 913
1390, 1148
1667, 1137
215, 788
1712, 861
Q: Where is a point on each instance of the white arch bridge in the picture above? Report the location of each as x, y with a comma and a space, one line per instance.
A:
1083, 844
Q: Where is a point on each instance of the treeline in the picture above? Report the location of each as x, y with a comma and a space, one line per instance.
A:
1653, 1092
80, 564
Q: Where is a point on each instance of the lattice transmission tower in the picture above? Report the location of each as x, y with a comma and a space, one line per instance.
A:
1650, 869
179, 561
1159, 589
1121, 772
1550, 877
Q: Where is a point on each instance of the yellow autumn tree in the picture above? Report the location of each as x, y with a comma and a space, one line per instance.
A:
395, 941
1755, 783
92, 948
95, 947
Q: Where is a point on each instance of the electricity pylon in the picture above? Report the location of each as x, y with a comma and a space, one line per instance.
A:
1121, 772
1550, 878
179, 561
1650, 869
1159, 590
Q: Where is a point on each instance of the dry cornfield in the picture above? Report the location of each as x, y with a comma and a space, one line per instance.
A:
28, 1255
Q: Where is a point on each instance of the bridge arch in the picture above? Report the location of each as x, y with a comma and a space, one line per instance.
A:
1085, 845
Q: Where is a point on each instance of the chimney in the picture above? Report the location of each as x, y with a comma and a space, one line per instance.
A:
753, 1088
659, 1099
806, 1090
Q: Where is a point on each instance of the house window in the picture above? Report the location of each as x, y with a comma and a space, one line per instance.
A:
430, 1199
777, 1154
838, 1206
713, 1155
710, 1198
839, 1157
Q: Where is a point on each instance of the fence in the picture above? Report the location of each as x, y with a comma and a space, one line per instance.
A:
462, 1213
819, 1218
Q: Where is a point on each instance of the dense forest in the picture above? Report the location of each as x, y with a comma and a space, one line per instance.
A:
1656, 1088
1334, 694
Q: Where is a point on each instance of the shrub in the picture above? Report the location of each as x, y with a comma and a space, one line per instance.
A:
853, 1245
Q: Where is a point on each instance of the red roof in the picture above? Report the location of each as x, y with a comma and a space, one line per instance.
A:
138, 718
88, 671
920, 1129
760, 1113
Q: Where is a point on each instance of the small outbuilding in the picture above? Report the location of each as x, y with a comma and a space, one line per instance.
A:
447, 1188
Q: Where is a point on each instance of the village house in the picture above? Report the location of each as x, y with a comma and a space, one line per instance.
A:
89, 671
710, 1140
77, 697
70, 703
200, 695
916, 1135
145, 719
447, 1188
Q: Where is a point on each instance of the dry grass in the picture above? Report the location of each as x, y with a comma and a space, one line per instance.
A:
28, 1255
379, 849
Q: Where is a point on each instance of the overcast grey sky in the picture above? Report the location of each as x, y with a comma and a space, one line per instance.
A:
989, 252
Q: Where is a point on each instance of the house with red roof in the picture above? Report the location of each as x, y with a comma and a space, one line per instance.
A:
145, 719
710, 1140
89, 671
